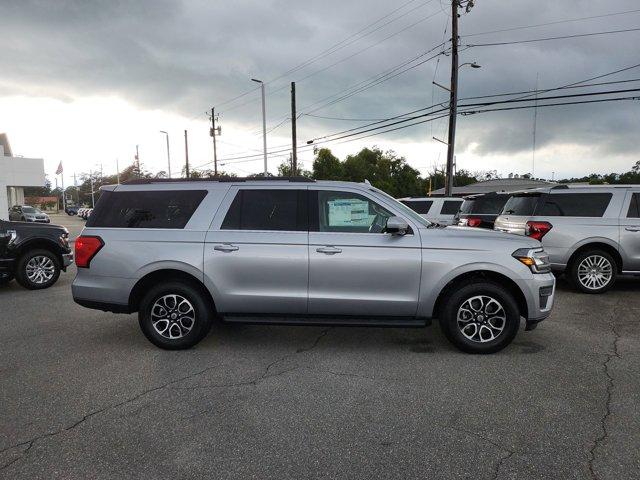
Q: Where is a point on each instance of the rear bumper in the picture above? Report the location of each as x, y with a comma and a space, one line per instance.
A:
109, 294
104, 306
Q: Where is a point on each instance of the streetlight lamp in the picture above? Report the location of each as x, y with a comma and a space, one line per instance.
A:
168, 154
471, 64
264, 124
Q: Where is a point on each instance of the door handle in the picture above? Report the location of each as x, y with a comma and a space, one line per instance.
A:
226, 248
632, 229
329, 250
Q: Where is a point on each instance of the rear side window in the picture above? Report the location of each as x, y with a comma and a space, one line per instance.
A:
521, 205
146, 209
488, 205
279, 210
450, 207
634, 206
419, 206
575, 204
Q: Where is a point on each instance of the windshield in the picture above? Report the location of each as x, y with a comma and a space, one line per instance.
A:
521, 205
29, 210
405, 210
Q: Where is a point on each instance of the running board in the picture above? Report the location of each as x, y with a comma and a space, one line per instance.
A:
333, 320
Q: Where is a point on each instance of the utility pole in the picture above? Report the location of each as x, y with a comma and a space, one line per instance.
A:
264, 124
213, 135
453, 98
186, 154
294, 161
118, 171
137, 160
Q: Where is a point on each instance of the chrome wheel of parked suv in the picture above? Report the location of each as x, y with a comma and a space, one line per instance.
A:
480, 317
38, 269
593, 271
175, 315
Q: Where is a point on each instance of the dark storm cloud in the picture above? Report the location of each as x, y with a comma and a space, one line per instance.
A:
186, 56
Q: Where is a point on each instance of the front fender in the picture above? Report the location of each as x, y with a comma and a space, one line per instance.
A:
435, 279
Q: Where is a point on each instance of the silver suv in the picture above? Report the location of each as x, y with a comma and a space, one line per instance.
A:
294, 251
592, 233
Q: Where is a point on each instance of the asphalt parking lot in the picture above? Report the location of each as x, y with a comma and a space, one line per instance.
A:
85, 395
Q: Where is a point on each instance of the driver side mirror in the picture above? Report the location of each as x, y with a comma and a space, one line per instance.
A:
396, 226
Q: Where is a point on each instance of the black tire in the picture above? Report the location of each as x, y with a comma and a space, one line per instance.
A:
485, 326
50, 266
201, 317
606, 263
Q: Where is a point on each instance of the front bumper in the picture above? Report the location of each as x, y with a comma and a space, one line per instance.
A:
67, 259
540, 299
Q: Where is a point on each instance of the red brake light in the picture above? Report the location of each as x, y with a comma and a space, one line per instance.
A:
473, 222
86, 249
537, 230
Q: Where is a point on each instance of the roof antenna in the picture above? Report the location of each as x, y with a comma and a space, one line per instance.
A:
367, 182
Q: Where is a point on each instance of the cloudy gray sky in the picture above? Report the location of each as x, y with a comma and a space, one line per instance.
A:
83, 82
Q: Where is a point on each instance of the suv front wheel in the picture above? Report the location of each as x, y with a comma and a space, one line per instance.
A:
38, 269
481, 317
174, 316
593, 271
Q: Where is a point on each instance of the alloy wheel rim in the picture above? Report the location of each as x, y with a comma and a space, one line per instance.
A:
40, 269
595, 272
172, 316
481, 318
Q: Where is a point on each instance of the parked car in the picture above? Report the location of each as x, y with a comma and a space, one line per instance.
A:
592, 233
301, 252
481, 210
25, 213
71, 210
33, 254
440, 210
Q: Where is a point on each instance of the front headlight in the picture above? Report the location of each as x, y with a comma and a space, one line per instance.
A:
535, 258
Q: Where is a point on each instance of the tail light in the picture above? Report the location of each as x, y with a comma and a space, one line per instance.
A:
474, 222
537, 230
86, 249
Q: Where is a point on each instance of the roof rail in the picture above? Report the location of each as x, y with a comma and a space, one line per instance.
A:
147, 181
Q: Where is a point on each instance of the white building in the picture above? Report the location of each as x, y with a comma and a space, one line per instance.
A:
15, 174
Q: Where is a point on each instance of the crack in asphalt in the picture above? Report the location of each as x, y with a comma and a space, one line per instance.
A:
509, 452
265, 374
609, 357
31, 442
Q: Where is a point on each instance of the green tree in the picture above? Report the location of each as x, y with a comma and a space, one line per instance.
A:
326, 166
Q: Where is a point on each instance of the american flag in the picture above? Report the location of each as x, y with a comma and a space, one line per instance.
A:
59, 170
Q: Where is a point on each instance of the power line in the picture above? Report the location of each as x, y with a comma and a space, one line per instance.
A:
557, 22
334, 48
545, 39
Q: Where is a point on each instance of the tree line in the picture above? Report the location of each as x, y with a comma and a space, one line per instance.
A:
383, 169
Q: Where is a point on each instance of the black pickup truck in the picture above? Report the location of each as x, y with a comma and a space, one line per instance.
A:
33, 253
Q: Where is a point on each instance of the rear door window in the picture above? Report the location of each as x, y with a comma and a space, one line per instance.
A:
419, 206
268, 209
450, 207
145, 209
634, 206
521, 205
575, 204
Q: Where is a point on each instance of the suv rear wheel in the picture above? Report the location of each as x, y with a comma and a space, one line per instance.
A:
481, 317
38, 269
174, 316
593, 271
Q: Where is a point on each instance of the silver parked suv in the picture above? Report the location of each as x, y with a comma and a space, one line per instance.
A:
592, 233
298, 251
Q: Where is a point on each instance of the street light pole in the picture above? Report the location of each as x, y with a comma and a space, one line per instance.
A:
168, 154
264, 124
